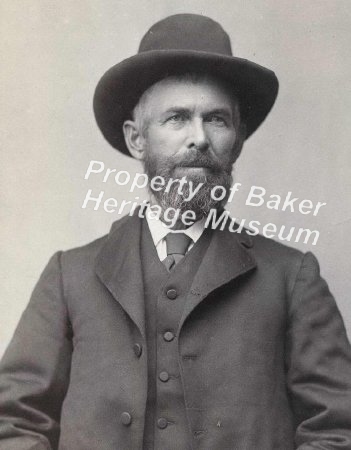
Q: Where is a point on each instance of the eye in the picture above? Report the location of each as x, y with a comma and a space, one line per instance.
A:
217, 119
176, 117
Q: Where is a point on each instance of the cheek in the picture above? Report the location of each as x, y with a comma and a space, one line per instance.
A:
223, 143
164, 142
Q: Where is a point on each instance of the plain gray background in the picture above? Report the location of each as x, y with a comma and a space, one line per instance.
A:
55, 52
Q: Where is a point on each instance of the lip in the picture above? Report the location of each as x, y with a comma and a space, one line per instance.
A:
193, 167
191, 171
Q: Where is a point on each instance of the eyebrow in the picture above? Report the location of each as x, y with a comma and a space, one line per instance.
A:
221, 111
181, 109
176, 109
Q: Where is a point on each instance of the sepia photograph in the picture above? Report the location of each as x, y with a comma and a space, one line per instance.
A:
176, 185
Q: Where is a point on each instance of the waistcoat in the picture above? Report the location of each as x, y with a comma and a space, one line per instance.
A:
165, 294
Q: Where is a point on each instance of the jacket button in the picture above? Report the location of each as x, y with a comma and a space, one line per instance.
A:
168, 336
172, 294
162, 423
126, 418
163, 376
138, 350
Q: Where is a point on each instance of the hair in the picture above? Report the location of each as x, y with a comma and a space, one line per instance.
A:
139, 113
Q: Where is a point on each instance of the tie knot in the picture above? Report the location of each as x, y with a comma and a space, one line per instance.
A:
177, 243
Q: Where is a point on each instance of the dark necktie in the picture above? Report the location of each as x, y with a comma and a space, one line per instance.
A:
177, 244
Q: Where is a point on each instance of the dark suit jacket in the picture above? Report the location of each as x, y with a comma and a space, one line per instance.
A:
264, 357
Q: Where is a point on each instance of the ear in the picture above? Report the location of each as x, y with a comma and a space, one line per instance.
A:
134, 139
239, 142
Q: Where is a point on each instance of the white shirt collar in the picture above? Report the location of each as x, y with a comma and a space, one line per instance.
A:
159, 230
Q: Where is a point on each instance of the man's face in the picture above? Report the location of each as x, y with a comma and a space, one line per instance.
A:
185, 118
190, 129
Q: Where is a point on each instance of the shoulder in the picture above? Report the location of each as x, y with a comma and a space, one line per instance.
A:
273, 250
264, 249
280, 261
301, 270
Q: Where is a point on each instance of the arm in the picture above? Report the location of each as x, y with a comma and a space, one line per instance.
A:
319, 364
34, 372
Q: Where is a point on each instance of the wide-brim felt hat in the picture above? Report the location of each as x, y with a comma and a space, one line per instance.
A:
182, 43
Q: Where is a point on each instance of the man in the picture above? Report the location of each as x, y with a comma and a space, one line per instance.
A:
189, 338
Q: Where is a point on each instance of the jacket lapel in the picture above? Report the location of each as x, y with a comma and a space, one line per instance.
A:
226, 258
118, 266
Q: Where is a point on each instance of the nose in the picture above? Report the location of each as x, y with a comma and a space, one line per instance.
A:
197, 137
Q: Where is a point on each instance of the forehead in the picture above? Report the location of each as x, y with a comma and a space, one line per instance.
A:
189, 92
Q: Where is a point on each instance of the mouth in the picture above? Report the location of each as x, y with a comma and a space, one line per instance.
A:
194, 168
197, 166
192, 172
194, 165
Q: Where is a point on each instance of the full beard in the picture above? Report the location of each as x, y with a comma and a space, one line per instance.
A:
216, 174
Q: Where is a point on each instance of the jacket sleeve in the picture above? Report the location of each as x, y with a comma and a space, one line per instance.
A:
34, 372
318, 364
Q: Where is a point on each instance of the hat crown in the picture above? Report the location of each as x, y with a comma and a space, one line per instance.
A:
175, 45
187, 32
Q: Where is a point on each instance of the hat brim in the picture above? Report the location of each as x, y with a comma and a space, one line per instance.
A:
121, 87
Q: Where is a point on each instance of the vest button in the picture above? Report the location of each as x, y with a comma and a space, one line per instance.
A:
126, 418
162, 423
168, 336
163, 376
172, 294
138, 350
